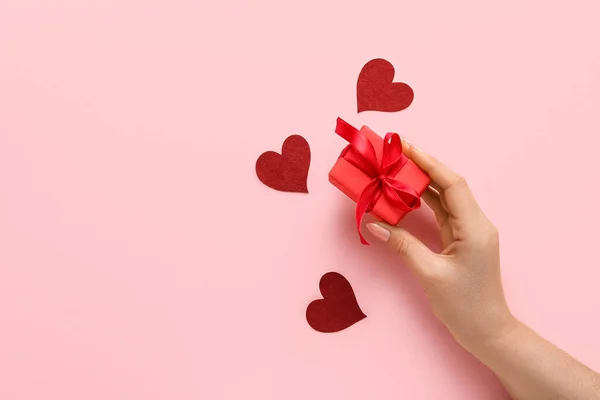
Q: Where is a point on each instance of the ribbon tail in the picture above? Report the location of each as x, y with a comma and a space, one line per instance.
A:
363, 205
361, 152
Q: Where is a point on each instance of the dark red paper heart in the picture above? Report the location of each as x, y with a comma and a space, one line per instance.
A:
375, 89
338, 309
287, 171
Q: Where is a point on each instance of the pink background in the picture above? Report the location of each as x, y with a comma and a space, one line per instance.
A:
141, 258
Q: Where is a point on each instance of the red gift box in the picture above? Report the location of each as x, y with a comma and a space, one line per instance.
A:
354, 176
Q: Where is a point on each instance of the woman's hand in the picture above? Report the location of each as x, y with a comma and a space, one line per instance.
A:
464, 287
463, 282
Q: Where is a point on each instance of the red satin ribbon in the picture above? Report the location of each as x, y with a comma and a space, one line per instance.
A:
361, 154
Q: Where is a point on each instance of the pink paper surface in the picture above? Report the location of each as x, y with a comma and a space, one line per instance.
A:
136, 263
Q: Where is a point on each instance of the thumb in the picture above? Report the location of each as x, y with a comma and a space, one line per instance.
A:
410, 249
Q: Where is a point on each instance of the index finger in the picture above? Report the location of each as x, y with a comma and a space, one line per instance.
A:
459, 200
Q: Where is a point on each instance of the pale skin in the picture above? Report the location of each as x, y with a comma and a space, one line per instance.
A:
464, 288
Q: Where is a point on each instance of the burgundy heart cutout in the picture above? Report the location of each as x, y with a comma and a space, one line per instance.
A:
375, 89
338, 309
287, 171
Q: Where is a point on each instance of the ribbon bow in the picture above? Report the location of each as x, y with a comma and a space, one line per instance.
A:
361, 154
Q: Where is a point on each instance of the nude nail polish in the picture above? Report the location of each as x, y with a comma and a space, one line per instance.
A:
410, 144
379, 232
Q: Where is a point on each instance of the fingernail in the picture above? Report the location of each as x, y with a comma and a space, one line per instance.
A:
410, 144
379, 232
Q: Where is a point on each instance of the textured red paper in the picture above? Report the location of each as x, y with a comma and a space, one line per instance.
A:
338, 309
375, 89
352, 181
287, 171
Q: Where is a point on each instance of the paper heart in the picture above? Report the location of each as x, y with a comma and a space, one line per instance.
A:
338, 309
287, 171
375, 89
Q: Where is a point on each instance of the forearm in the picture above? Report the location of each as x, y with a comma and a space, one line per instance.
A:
532, 368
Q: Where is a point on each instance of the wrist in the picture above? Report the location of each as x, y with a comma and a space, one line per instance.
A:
496, 328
